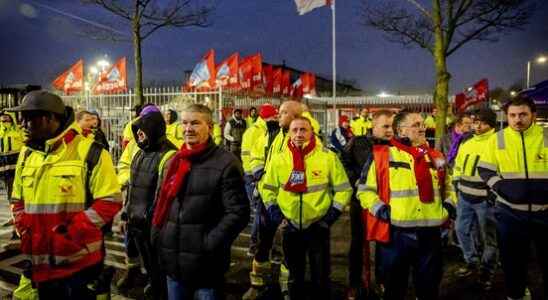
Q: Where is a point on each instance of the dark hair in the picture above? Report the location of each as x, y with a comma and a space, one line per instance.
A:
253, 108
487, 116
237, 110
400, 117
520, 100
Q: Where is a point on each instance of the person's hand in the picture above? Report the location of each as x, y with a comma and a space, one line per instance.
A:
451, 211
383, 213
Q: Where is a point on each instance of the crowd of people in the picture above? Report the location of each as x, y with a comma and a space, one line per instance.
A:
185, 189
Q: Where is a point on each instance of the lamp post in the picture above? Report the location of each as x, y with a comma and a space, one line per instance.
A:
539, 60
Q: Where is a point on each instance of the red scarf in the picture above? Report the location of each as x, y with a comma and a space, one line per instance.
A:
422, 170
297, 179
176, 174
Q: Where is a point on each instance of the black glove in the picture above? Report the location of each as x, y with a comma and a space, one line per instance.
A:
383, 213
451, 211
331, 216
275, 215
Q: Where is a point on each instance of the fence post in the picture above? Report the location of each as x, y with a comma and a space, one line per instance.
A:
220, 104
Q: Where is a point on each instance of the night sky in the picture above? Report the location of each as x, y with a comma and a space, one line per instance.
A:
37, 44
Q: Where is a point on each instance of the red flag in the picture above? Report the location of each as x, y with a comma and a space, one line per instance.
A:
297, 88
277, 81
114, 80
286, 85
227, 72
72, 80
309, 84
203, 74
250, 70
268, 83
477, 94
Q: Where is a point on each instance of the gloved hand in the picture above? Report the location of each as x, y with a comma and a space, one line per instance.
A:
451, 211
383, 213
330, 217
275, 215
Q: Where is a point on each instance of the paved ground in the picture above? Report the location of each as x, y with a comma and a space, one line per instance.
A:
237, 280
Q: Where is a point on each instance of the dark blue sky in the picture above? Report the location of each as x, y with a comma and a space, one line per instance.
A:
37, 44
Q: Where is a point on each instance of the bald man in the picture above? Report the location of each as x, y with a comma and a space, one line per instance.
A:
261, 153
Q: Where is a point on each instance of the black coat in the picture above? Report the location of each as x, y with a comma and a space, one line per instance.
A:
209, 212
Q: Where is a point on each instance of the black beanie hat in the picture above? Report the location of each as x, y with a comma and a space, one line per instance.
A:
487, 116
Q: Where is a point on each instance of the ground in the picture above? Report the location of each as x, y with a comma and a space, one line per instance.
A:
237, 278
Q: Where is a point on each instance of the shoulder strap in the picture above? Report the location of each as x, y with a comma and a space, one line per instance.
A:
92, 158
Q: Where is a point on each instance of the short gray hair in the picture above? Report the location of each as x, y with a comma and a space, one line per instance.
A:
200, 108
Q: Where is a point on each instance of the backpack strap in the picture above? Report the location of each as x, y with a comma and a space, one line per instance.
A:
92, 158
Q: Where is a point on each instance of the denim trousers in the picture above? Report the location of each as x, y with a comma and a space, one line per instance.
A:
477, 220
177, 290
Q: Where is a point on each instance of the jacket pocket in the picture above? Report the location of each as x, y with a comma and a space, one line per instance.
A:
27, 182
63, 250
66, 182
191, 238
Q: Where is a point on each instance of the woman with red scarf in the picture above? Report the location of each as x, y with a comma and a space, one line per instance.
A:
409, 198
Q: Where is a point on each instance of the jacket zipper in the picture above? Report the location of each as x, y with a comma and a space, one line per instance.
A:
525, 164
300, 211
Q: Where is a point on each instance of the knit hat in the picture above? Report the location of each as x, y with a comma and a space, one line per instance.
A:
343, 119
267, 111
487, 116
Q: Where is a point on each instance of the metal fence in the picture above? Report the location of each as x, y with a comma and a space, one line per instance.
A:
116, 109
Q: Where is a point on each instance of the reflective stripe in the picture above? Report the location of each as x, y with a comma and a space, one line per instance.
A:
487, 165
521, 175
524, 207
270, 187
7, 168
32, 208
342, 187
296, 224
472, 191
376, 206
404, 193
257, 169
117, 198
471, 178
268, 204
338, 206
41, 259
316, 188
365, 188
491, 182
246, 152
500, 140
417, 223
545, 136
94, 217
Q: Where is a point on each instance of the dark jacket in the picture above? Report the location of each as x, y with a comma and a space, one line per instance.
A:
209, 212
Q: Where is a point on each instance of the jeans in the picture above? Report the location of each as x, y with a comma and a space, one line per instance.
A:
517, 230
177, 290
473, 220
314, 243
249, 187
418, 249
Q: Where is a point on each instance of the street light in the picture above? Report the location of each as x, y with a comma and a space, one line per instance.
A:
539, 60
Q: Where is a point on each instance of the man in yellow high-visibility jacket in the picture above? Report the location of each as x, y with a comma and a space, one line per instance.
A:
306, 187
515, 166
408, 193
362, 124
11, 141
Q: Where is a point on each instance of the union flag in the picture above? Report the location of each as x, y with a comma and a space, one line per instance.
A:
250, 72
114, 80
277, 81
227, 72
203, 74
286, 83
72, 80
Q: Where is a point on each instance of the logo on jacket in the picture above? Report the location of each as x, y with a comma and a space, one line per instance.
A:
66, 189
541, 156
316, 173
297, 177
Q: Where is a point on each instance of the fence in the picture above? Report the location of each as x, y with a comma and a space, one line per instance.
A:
115, 109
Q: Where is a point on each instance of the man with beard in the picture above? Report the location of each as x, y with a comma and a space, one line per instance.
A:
65, 191
147, 166
233, 132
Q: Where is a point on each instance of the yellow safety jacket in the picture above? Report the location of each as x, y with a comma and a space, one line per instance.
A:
515, 166
251, 135
124, 163
406, 209
465, 173
360, 126
249, 121
217, 134
429, 122
326, 180
11, 141
50, 190
174, 133
127, 134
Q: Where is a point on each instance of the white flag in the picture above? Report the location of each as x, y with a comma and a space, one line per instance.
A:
304, 6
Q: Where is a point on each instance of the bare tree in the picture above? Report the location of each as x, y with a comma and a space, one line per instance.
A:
147, 16
443, 28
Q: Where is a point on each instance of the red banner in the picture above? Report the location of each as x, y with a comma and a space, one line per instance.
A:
286, 83
114, 80
227, 72
477, 94
277, 81
203, 74
297, 88
72, 80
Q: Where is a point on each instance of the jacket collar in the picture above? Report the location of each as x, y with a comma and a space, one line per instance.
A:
485, 135
529, 131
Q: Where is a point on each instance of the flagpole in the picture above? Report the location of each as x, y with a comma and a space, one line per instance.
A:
334, 60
